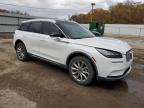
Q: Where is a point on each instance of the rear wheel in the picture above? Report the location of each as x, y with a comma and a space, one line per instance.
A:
21, 52
81, 70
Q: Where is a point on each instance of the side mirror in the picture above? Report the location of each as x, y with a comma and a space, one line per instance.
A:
57, 34
58, 39
96, 33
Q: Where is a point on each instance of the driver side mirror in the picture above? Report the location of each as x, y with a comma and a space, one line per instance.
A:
57, 34
96, 33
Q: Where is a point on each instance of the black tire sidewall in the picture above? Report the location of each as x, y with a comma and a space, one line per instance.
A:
92, 73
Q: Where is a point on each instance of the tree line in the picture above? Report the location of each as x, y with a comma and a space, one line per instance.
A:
122, 13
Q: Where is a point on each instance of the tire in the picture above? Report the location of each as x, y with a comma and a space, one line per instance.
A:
21, 52
81, 70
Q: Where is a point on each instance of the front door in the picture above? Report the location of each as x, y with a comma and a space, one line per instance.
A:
52, 47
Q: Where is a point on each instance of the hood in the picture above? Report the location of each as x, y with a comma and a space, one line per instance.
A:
104, 42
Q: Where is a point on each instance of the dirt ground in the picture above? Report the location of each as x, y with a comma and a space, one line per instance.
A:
36, 84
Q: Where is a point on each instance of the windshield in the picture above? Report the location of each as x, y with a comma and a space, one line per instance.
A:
74, 30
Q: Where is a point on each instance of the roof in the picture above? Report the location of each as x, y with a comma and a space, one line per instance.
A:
32, 20
45, 19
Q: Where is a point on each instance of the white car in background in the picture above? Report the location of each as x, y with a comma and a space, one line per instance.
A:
68, 44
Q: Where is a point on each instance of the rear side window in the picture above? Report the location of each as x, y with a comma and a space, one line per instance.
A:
35, 27
24, 27
49, 28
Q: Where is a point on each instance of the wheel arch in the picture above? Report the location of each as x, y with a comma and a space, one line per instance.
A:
78, 53
16, 42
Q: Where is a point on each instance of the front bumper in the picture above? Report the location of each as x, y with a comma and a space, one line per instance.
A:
112, 78
113, 69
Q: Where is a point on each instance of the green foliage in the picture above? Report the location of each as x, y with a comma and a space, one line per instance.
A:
119, 14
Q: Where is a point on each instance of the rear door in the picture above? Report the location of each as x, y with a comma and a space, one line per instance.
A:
21, 34
32, 37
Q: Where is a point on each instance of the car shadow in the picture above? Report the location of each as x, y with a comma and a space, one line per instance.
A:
120, 85
111, 85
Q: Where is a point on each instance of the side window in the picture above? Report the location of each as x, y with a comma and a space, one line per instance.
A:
35, 27
24, 26
50, 29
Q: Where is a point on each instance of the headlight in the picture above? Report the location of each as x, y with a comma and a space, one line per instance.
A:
109, 53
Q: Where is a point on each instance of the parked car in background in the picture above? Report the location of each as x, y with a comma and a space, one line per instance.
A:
68, 44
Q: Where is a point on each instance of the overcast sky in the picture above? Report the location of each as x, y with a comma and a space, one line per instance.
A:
57, 8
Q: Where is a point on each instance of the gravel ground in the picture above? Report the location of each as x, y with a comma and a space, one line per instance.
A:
36, 84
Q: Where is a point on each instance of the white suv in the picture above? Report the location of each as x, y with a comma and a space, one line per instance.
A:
68, 44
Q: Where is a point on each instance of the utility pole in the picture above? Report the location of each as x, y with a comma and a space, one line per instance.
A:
129, 8
92, 4
128, 2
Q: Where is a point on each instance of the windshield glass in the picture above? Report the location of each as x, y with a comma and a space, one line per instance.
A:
74, 30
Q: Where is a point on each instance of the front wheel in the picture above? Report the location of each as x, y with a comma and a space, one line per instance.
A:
81, 70
21, 52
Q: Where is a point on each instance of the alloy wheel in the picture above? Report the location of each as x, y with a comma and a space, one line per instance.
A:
20, 51
80, 70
